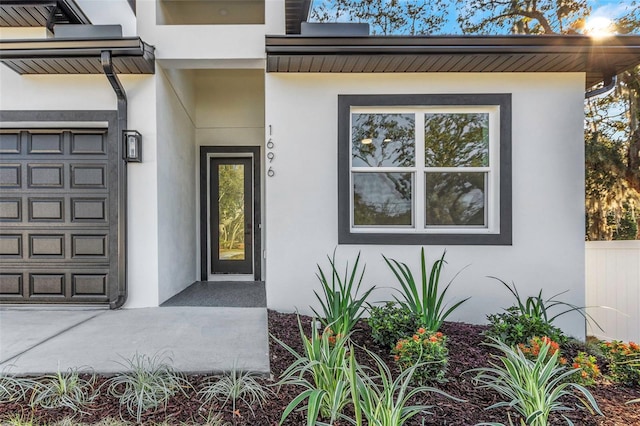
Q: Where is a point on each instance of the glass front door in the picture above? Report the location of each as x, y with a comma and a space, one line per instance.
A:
231, 216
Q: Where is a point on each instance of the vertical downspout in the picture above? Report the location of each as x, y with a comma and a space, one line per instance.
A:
107, 66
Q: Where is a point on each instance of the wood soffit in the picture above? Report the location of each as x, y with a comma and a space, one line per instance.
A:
130, 55
40, 13
598, 58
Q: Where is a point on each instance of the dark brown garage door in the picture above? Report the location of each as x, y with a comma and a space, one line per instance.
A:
58, 215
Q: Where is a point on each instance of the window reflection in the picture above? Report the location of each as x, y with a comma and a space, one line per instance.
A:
383, 140
456, 140
455, 199
382, 199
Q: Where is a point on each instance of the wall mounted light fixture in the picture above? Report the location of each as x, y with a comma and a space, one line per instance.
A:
132, 146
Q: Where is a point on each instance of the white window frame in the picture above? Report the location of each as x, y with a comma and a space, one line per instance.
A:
418, 171
498, 191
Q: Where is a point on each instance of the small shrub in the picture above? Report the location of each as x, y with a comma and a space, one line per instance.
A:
532, 317
623, 361
424, 348
513, 328
391, 322
589, 371
147, 383
236, 386
62, 390
341, 306
532, 349
425, 300
535, 389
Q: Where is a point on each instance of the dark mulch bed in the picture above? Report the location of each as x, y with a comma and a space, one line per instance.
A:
465, 352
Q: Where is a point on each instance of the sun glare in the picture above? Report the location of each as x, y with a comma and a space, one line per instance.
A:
599, 27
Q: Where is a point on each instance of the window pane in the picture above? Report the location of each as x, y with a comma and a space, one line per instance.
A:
382, 199
383, 140
455, 199
456, 140
231, 212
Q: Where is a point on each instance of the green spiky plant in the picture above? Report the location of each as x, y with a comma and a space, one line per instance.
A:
340, 303
424, 298
534, 388
380, 399
320, 371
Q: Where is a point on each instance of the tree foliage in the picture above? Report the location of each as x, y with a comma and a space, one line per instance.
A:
612, 134
522, 16
385, 17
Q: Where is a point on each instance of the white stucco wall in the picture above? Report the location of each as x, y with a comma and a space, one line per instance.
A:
176, 183
226, 42
548, 182
93, 92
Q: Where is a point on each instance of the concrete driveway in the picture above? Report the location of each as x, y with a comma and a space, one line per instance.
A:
197, 339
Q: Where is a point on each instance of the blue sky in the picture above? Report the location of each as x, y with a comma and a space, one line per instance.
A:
599, 8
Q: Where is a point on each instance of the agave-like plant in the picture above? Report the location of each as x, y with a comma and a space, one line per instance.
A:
235, 386
534, 388
65, 389
147, 382
425, 300
13, 388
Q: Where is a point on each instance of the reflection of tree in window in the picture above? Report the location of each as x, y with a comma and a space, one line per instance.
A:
455, 199
390, 140
382, 199
231, 209
456, 140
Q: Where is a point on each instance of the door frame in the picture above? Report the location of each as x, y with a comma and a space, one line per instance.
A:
206, 152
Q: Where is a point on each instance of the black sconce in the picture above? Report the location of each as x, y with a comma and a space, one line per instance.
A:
132, 146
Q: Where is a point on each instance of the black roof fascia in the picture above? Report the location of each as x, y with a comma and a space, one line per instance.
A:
598, 57
296, 11
53, 55
40, 13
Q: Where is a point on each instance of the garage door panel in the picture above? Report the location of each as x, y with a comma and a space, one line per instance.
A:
89, 209
9, 143
11, 285
45, 143
88, 144
46, 210
89, 246
10, 176
10, 209
11, 246
89, 176
59, 228
47, 246
86, 285
45, 176
49, 285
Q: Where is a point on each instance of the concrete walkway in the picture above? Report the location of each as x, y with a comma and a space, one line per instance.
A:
198, 339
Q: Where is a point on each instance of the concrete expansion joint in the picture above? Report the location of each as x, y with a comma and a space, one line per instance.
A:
5, 362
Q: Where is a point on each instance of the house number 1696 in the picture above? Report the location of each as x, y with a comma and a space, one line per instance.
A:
270, 156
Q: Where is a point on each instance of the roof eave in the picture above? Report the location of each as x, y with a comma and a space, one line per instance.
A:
53, 56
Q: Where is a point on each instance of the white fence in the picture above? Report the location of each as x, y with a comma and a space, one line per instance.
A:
613, 280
